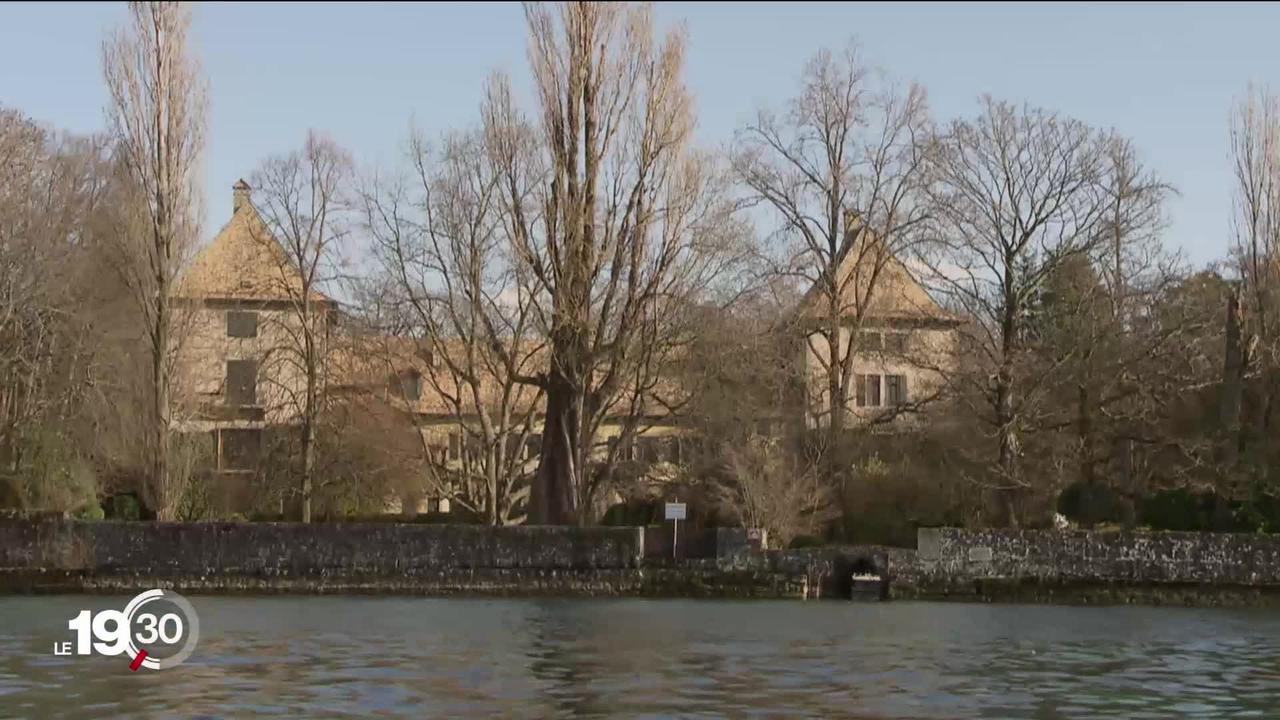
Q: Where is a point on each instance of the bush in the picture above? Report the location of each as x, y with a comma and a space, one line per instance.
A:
1089, 504
1183, 509
633, 512
1260, 514
805, 541
90, 512
124, 506
10, 495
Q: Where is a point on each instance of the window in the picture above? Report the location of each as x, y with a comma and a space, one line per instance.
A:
455, 446
649, 449
895, 343
867, 389
240, 449
242, 382
242, 324
411, 385
870, 341
895, 389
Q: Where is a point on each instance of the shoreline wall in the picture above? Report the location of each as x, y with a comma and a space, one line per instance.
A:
49, 554
55, 554
1079, 566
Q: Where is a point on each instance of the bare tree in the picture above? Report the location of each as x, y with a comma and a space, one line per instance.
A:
300, 199
157, 116
52, 186
455, 289
1018, 194
1093, 317
1251, 389
775, 489
843, 171
618, 222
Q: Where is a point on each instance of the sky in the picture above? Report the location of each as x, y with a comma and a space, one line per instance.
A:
1164, 75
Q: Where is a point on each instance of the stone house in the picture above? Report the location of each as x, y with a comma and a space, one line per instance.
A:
238, 379
897, 338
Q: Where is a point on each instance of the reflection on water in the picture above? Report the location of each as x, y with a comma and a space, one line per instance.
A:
388, 657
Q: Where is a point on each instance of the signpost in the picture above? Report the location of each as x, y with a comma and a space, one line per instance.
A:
676, 511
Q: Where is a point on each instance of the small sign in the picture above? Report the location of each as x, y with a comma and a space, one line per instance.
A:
676, 511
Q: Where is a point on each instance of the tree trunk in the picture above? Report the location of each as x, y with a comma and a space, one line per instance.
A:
1008, 456
308, 466
1084, 427
553, 501
1233, 370
162, 493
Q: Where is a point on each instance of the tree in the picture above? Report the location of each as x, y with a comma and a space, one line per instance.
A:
843, 171
452, 285
619, 224
1254, 381
1018, 193
1093, 316
773, 488
52, 189
156, 115
300, 198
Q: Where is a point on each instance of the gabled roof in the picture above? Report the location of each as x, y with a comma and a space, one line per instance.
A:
896, 294
243, 262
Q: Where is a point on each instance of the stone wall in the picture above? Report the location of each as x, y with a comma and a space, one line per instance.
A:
58, 553
54, 554
51, 553
1086, 566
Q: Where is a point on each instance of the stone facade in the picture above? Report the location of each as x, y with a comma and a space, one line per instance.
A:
1085, 566
238, 370
900, 339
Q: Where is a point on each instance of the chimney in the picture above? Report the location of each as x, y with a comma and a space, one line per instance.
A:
240, 195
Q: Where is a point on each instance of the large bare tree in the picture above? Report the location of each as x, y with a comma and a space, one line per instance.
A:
157, 117
453, 286
301, 200
619, 223
1019, 194
842, 171
52, 187
1251, 388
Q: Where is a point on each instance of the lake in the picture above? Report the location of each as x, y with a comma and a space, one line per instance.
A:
473, 658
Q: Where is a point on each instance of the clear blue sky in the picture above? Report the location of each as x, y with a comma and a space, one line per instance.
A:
1163, 75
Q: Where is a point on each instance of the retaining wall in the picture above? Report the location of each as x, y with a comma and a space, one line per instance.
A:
1088, 566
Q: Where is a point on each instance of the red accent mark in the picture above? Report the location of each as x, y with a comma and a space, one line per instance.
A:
137, 661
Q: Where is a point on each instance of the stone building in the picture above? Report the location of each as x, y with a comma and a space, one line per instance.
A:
239, 378
900, 340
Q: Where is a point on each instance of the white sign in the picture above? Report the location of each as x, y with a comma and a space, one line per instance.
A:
676, 511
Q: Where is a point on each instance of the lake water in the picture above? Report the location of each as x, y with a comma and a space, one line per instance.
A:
462, 658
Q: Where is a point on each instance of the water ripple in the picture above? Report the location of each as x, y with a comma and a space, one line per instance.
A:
388, 657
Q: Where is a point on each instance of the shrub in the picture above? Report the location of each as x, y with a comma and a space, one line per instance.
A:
123, 506
1091, 503
804, 541
92, 511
